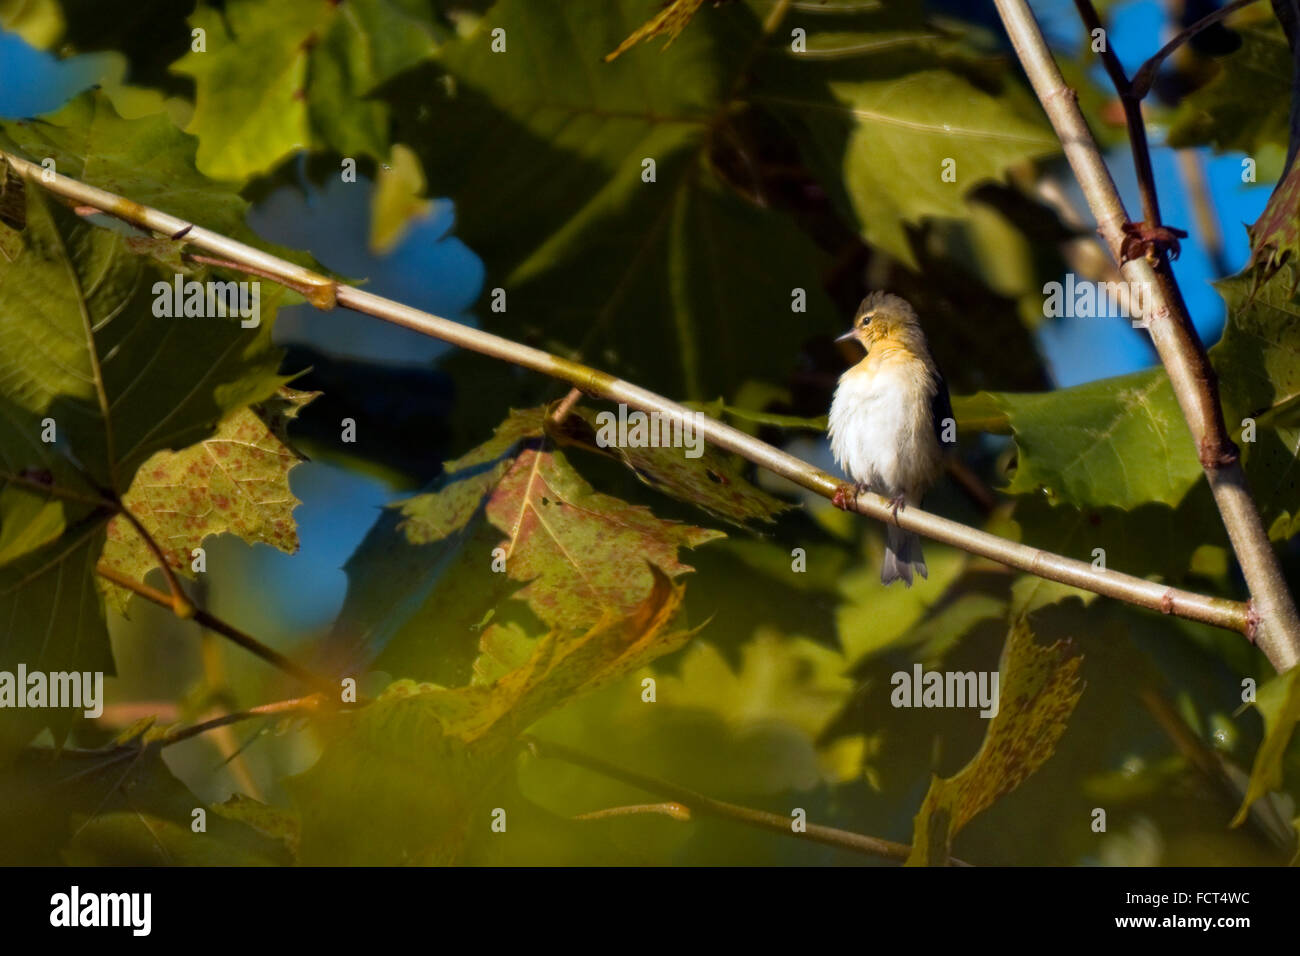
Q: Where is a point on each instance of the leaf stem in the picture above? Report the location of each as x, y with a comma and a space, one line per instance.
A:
297, 705
566, 405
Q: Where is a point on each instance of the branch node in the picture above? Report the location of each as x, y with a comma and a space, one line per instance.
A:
1217, 453
1068, 92
1148, 241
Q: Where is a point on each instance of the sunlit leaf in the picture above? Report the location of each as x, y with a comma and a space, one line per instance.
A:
279, 77
398, 199
235, 481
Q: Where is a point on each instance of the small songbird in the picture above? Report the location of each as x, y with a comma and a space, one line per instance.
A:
888, 419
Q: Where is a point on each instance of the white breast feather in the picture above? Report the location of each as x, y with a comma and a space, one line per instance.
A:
881, 431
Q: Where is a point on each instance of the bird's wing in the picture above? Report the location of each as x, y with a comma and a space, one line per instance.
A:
940, 406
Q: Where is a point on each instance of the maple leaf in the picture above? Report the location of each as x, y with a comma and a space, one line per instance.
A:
236, 481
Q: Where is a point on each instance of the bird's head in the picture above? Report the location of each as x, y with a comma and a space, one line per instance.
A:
884, 317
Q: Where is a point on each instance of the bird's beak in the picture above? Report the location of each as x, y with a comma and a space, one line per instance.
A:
848, 336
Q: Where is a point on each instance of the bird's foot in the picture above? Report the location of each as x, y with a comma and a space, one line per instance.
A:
1146, 241
846, 495
897, 503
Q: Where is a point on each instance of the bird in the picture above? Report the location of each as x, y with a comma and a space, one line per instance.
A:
887, 422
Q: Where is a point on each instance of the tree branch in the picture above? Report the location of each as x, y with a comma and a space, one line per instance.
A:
698, 803
1276, 627
324, 293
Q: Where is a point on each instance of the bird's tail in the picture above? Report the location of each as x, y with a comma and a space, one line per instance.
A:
902, 556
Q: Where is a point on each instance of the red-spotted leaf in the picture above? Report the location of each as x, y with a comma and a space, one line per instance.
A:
236, 481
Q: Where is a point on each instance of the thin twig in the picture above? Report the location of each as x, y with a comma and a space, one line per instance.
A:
1219, 612
566, 405
1137, 128
699, 803
298, 705
228, 631
1146, 74
1274, 624
671, 809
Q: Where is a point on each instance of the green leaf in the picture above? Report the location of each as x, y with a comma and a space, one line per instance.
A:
280, 77
1150, 539
403, 780
39, 22
145, 159
397, 201
77, 309
86, 356
119, 806
1258, 374
1119, 442
1279, 702
678, 282
54, 620
1039, 691
873, 113
784, 681
1123, 442
1229, 113
1275, 236
235, 481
